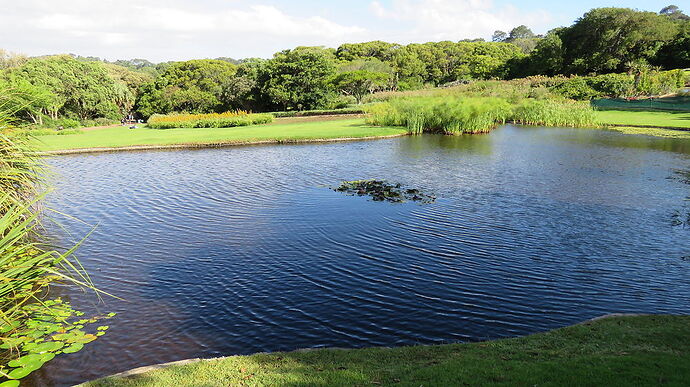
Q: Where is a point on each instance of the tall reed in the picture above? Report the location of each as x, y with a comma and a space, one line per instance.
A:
449, 115
456, 115
555, 113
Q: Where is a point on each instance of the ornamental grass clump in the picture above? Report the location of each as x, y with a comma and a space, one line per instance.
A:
213, 120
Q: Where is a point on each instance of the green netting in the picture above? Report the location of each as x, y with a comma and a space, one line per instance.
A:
671, 103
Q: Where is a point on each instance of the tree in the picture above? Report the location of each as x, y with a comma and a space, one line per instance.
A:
298, 79
604, 39
676, 53
359, 83
11, 59
520, 32
499, 36
194, 86
547, 56
82, 90
23, 100
673, 12
377, 49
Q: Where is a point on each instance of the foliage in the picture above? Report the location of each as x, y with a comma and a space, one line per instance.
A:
298, 79
604, 39
82, 90
460, 113
576, 88
195, 86
555, 113
212, 120
382, 191
441, 115
359, 83
33, 329
323, 112
10, 60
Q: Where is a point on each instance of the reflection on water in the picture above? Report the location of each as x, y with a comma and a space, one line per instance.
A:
241, 250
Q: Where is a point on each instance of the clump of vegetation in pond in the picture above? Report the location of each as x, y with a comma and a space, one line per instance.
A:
680, 219
682, 175
467, 115
381, 191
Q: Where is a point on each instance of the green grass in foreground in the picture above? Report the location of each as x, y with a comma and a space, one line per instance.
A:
124, 137
623, 351
635, 118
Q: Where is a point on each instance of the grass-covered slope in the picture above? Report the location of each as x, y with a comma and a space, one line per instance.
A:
120, 137
621, 351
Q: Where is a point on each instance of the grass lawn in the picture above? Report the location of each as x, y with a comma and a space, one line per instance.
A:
118, 137
621, 351
642, 118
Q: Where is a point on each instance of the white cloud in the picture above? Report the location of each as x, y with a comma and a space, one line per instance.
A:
456, 19
180, 29
162, 30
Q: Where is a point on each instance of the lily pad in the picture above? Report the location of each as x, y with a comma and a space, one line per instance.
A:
19, 373
73, 348
51, 346
380, 190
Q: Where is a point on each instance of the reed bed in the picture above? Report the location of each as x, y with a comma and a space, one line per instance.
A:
555, 113
213, 120
460, 115
451, 115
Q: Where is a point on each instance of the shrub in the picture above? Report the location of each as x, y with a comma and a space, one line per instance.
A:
614, 85
66, 123
309, 113
214, 120
576, 88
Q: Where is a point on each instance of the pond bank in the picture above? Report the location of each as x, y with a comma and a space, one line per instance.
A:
614, 349
213, 145
119, 138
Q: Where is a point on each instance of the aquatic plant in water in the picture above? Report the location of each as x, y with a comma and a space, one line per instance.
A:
380, 191
33, 328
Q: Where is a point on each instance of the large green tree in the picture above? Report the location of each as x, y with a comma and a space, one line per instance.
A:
377, 49
82, 90
604, 39
195, 86
298, 79
359, 83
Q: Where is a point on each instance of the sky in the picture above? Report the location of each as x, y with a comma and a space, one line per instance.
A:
162, 30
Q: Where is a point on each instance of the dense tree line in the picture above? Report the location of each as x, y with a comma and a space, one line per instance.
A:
612, 41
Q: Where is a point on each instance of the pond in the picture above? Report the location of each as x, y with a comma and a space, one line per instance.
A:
248, 249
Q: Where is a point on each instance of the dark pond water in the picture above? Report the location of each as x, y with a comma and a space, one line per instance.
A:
241, 250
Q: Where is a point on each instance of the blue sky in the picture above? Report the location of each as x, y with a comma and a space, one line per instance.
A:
162, 30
